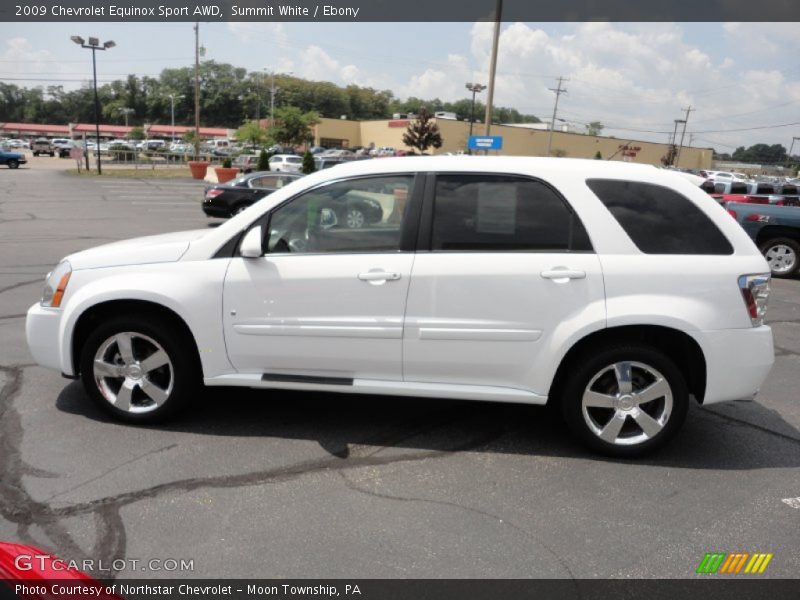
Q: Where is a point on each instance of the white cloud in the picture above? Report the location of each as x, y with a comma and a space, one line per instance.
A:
317, 64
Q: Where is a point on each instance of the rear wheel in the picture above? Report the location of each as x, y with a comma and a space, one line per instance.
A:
139, 369
354, 218
626, 400
13, 164
783, 256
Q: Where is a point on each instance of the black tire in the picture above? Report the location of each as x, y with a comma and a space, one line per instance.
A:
789, 249
594, 365
240, 208
13, 164
354, 218
184, 368
36, 154
52, 154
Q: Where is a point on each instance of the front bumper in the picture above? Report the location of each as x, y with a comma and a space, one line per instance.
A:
42, 330
738, 362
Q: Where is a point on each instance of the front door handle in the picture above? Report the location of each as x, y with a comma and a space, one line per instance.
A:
378, 276
563, 274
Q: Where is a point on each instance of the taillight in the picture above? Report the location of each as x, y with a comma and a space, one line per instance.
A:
213, 193
732, 213
757, 218
755, 292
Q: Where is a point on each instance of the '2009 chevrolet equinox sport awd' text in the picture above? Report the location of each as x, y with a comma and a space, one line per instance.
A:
618, 291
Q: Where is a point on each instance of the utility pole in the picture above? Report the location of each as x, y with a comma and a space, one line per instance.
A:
558, 90
196, 90
498, 13
272, 91
683, 134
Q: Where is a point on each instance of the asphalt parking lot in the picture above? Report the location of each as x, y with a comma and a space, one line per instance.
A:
287, 484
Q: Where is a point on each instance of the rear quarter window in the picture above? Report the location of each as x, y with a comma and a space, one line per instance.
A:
660, 220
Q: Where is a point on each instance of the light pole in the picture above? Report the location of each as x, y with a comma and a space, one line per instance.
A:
172, 110
94, 45
474, 88
125, 112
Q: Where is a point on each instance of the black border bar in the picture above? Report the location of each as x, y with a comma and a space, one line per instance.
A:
709, 587
398, 10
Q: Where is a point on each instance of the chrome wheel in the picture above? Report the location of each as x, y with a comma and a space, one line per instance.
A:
627, 403
781, 258
133, 372
354, 218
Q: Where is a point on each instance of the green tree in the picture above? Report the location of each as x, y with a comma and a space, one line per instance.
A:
263, 161
252, 133
598, 156
292, 126
423, 132
136, 133
308, 163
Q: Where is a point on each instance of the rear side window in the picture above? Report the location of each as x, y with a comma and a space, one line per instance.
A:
660, 220
496, 213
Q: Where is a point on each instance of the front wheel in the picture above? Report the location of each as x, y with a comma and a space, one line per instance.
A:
626, 400
13, 164
783, 256
139, 369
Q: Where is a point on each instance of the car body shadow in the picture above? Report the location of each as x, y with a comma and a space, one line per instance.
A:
755, 438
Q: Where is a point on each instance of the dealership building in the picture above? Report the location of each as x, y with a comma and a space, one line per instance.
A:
517, 140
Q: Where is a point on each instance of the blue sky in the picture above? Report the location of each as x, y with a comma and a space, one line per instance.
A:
635, 78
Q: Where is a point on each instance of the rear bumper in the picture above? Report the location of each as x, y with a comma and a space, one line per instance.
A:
212, 210
42, 331
738, 362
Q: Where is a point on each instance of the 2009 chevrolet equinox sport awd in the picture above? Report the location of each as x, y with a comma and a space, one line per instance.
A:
615, 290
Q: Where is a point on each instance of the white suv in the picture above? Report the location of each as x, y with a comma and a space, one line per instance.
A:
615, 290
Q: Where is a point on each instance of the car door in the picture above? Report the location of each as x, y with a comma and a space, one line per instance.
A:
507, 274
325, 300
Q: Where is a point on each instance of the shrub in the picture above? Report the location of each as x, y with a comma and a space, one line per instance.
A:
263, 161
227, 163
308, 163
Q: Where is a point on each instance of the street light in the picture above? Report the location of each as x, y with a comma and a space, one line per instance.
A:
94, 45
125, 112
474, 88
172, 110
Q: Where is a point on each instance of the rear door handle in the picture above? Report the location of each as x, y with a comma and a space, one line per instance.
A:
378, 276
562, 273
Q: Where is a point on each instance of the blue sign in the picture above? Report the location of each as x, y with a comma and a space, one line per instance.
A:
485, 142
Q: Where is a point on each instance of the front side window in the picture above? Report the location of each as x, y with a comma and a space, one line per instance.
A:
496, 213
658, 219
356, 215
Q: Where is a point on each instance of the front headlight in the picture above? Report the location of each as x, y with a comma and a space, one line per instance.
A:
55, 284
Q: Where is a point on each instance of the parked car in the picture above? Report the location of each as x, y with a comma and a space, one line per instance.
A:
317, 149
615, 291
286, 162
63, 146
12, 159
246, 163
228, 199
151, 145
775, 230
18, 144
42, 146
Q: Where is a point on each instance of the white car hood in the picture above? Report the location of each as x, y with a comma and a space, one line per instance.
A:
167, 247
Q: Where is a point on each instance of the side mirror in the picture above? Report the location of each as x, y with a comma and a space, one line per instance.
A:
251, 244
